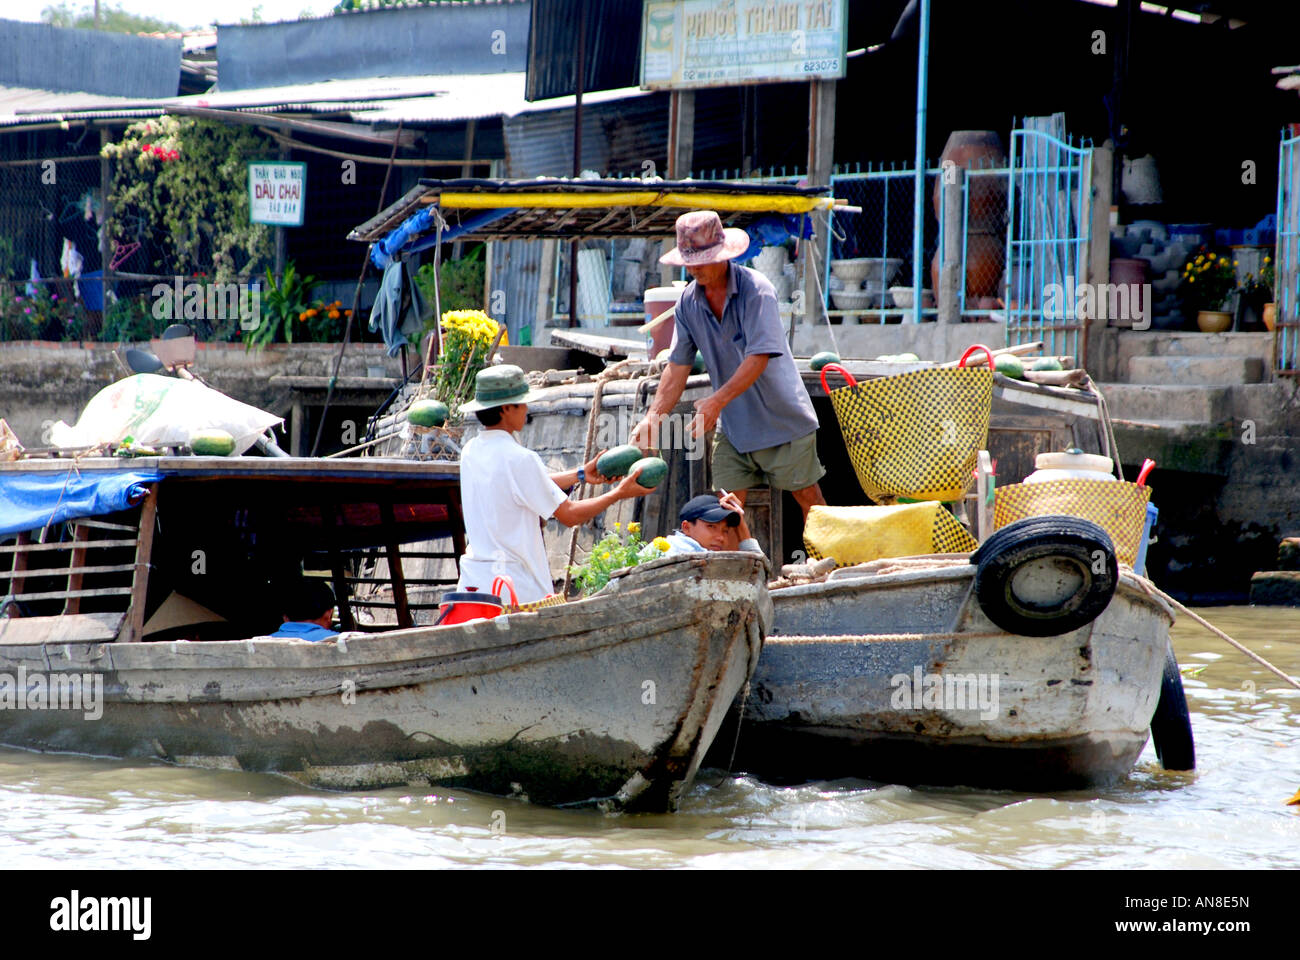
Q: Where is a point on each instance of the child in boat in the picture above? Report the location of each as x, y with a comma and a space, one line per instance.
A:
309, 613
507, 495
709, 522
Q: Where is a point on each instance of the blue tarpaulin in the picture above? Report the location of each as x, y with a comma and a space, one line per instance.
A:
414, 234
30, 501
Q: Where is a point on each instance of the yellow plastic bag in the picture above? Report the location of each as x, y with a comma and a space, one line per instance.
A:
860, 534
1118, 508
917, 434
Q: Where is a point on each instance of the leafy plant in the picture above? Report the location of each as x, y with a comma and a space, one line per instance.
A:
11, 261
323, 322
1208, 280
461, 285
467, 336
130, 320
44, 316
614, 551
186, 180
282, 306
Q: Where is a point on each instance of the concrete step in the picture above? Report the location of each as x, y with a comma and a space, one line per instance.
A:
1179, 343
1209, 370
1159, 403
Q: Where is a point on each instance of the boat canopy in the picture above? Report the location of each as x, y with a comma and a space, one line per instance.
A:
556, 208
30, 501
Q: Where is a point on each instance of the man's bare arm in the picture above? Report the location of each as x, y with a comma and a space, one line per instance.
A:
669, 391
709, 409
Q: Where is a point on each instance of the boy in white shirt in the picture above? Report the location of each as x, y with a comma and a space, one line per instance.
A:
507, 494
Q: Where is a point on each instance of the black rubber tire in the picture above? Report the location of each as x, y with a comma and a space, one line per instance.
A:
1171, 726
1072, 539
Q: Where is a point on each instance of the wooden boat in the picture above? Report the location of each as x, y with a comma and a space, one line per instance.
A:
891, 671
164, 605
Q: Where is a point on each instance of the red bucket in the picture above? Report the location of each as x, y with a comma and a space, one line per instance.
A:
463, 607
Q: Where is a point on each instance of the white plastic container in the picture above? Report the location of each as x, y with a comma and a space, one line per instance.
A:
1073, 464
657, 300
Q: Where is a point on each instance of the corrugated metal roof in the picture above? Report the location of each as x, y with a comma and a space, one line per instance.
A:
376, 100
24, 105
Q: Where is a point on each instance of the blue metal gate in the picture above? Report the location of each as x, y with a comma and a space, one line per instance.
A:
1049, 212
1286, 261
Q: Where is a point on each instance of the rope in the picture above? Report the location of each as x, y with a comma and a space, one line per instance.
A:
1153, 591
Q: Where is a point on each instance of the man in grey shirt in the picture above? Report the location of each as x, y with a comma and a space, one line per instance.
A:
767, 430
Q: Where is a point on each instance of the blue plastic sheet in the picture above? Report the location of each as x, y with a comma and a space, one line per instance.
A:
419, 232
32, 500
773, 230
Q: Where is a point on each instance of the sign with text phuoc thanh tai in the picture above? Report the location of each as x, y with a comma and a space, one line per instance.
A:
277, 192
711, 43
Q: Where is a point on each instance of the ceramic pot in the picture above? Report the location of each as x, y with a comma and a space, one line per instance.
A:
977, 150
986, 255
1270, 316
1213, 321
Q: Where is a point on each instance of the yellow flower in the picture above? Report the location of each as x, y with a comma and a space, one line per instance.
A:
1210, 256
634, 528
661, 544
1234, 263
605, 555
617, 525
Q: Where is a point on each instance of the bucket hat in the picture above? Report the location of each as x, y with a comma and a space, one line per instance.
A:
496, 386
701, 239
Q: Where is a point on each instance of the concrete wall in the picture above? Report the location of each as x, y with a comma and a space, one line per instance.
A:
44, 382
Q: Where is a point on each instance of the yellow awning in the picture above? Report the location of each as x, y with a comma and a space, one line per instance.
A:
635, 198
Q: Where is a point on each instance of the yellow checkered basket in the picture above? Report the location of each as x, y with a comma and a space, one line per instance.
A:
554, 600
915, 434
1118, 508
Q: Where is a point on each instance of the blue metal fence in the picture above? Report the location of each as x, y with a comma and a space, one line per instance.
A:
1049, 210
1286, 261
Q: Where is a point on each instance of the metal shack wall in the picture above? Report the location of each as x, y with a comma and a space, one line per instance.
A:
393, 42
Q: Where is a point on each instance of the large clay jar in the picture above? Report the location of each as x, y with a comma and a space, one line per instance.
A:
985, 256
977, 150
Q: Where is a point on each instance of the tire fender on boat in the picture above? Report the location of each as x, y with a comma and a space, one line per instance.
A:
1171, 726
1045, 576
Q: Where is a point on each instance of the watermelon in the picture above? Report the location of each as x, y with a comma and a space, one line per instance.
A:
653, 471
428, 413
1047, 363
698, 365
820, 360
1009, 366
212, 443
617, 461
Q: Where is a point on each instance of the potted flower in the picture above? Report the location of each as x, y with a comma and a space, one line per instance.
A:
1208, 280
1265, 284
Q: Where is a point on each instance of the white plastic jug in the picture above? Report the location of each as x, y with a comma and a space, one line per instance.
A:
1073, 464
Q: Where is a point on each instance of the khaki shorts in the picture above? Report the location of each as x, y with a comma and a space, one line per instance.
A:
791, 466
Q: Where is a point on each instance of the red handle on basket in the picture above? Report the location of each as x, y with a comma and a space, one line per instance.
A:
1147, 466
835, 366
506, 582
971, 349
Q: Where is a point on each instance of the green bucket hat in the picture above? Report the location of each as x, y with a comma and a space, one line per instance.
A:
499, 385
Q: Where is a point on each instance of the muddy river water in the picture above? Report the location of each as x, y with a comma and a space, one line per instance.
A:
68, 811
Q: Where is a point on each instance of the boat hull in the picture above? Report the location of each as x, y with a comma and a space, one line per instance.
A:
613, 699
936, 694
